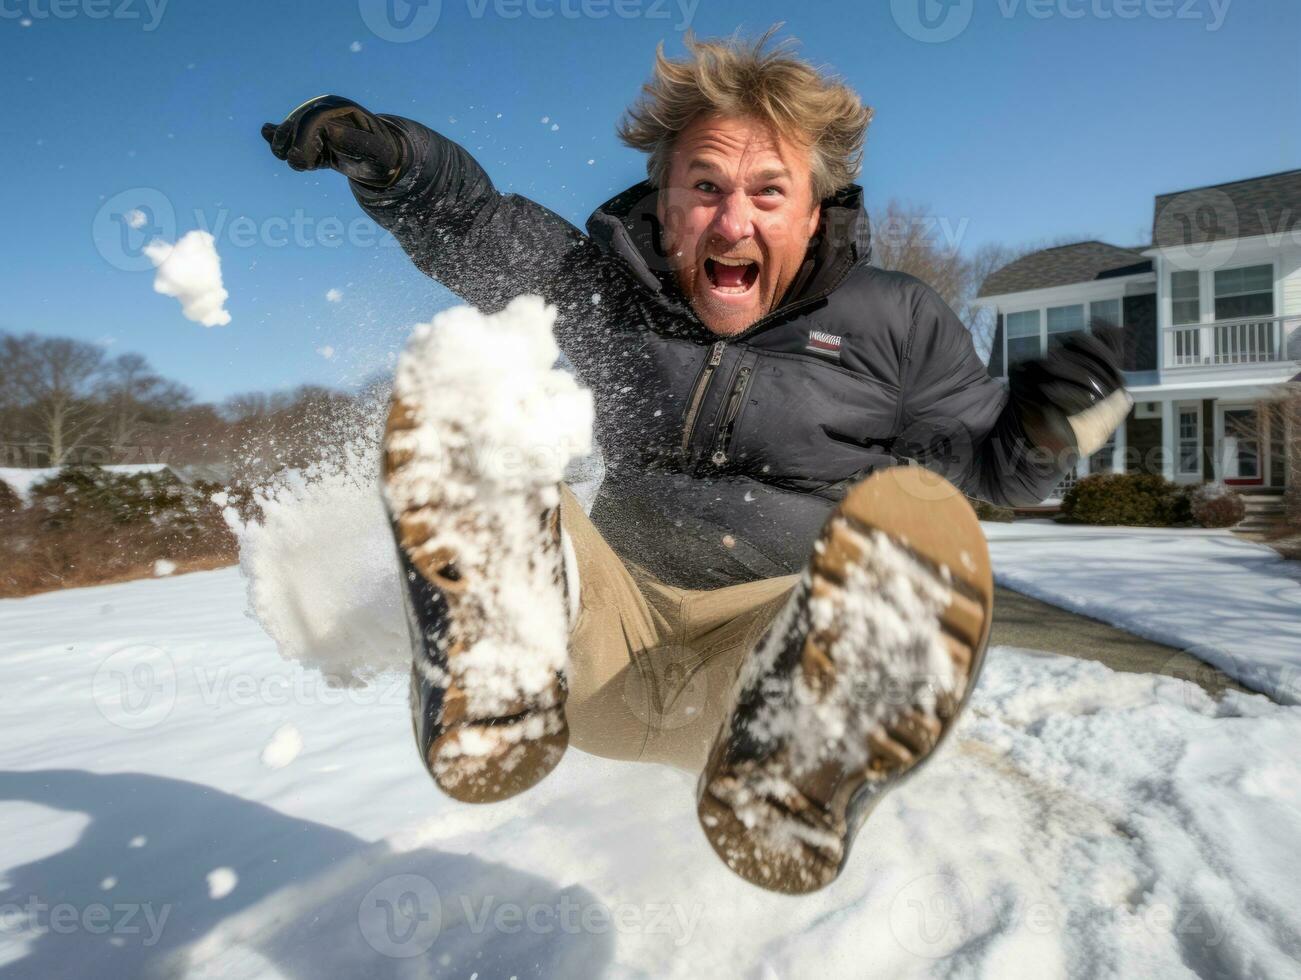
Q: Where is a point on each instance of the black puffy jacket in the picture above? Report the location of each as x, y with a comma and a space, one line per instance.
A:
723, 456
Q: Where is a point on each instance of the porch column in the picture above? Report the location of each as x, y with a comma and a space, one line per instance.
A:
1169, 439
1118, 447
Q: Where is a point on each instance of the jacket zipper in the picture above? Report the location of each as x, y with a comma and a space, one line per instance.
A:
716, 355
698, 395
724, 440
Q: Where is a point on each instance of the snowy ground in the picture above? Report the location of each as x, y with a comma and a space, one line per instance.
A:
1233, 603
177, 797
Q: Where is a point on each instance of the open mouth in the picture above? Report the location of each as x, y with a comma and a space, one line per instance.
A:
734, 276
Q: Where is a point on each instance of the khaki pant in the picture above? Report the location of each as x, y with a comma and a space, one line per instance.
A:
651, 666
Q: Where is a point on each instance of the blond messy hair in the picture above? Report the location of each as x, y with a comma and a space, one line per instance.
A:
732, 77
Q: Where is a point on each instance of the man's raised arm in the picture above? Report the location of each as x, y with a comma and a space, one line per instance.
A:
431, 194
1008, 446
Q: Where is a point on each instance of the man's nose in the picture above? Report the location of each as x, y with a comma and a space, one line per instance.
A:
735, 219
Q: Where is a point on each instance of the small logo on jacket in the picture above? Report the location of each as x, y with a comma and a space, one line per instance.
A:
824, 343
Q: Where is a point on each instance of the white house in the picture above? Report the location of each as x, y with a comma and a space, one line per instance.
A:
1211, 315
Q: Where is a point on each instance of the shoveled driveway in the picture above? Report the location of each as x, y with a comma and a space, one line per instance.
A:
1020, 621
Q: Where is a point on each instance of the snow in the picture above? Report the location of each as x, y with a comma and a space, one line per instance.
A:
190, 271
1231, 602
333, 295
22, 479
284, 747
1080, 821
221, 882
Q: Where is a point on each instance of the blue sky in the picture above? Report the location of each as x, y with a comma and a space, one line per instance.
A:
1036, 119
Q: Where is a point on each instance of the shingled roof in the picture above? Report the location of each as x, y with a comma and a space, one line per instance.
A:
1065, 264
1238, 209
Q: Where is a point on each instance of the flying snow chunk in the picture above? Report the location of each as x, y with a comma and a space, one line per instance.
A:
283, 748
190, 271
221, 882
326, 352
135, 218
333, 295
354, 47
163, 568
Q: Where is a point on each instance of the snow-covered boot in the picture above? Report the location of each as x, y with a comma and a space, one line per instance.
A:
855, 684
478, 434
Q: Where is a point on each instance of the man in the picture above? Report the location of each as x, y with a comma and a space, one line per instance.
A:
757, 383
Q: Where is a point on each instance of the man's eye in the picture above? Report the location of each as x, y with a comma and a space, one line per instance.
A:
707, 187
770, 192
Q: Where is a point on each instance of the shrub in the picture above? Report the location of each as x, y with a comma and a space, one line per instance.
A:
1133, 499
1215, 505
87, 525
992, 512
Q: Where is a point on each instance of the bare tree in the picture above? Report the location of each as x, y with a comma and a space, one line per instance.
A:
134, 396
906, 238
55, 378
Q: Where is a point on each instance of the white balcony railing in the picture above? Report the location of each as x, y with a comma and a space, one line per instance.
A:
1250, 340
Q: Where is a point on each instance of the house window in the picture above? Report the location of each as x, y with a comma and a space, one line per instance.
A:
1185, 307
1244, 292
1023, 340
1103, 460
1190, 443
1105, 310
1063, 322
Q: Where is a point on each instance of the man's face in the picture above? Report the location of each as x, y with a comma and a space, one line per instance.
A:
738, 212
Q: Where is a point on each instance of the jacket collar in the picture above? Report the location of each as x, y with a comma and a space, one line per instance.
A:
626, 226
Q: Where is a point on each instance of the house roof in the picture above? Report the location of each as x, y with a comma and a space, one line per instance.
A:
1065, 264
1237, 209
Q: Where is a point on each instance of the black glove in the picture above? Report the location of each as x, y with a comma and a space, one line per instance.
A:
331, 131
1071, 401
